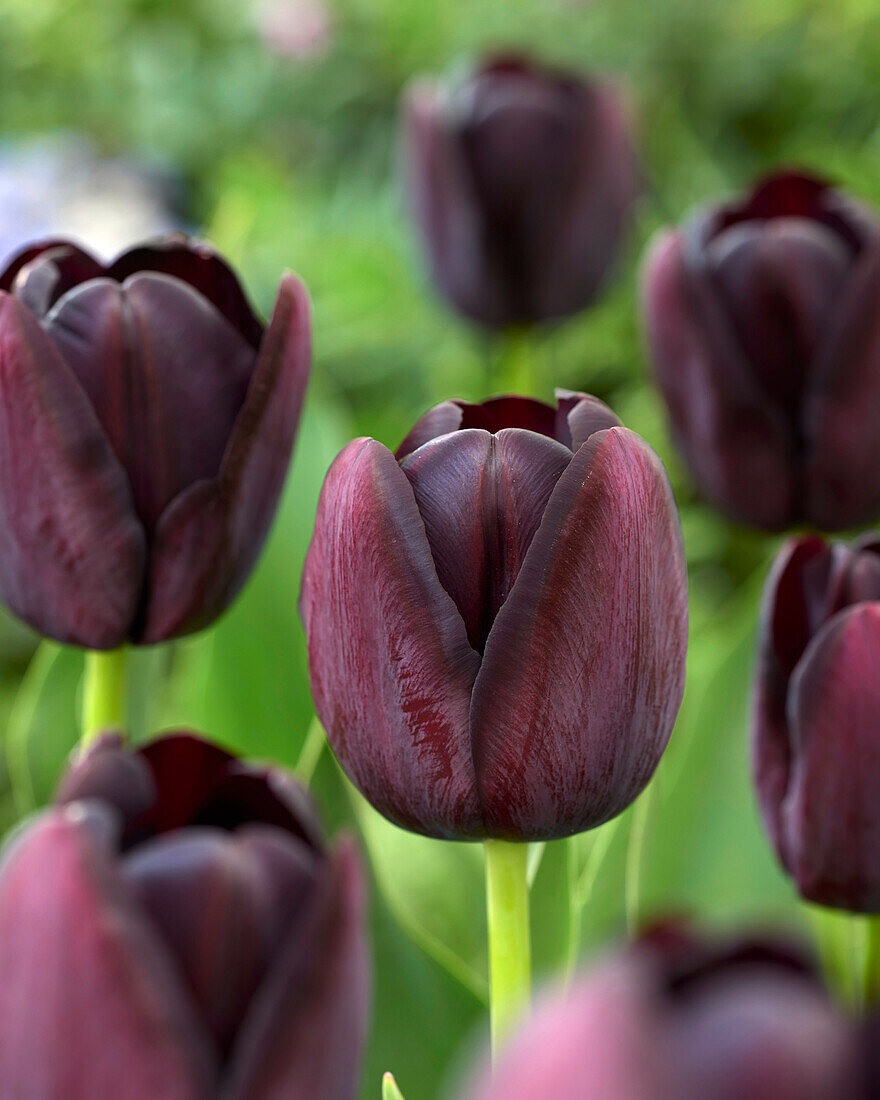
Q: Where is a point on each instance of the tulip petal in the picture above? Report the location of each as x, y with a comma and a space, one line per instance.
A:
831, 815
442, 419
842, 409
166, 374
731, 436
481, 498
91, 1005
584, 414
83, 260
196, 263
54, 271
223, 903
209, 538
305, 1030
390, 664
71, 547
583, 670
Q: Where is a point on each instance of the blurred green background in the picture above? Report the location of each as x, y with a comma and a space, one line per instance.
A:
272, 130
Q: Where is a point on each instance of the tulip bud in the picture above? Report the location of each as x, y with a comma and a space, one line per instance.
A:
521, 179
816, 723
175, 928
497, 618
148, 422
762, 321
682, 1021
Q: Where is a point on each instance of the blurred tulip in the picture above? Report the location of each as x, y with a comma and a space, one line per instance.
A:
147, 421
762, 317
816, 727
175, 928
681, 1021
521, 180
497, 618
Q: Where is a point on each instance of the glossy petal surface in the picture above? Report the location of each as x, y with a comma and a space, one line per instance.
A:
481, 498
391, 667
90, 1003
208, 541
598, 611
165, 373
72, 551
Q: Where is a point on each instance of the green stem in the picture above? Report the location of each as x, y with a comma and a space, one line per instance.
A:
507, 910
390, 1088
517, 366
105, 693
849, 947
871, 970
310, 754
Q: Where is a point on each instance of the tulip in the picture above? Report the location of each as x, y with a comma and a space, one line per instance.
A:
497, 618
522, 180
762, 319
174, 927
816, 724
147, 421
681, 1022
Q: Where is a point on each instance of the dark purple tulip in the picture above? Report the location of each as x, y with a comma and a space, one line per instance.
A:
522, 179
682, 1021
175, 928
147, 421
762, 317
497, 618
816, 726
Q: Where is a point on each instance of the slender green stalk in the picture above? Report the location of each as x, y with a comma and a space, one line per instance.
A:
310, 754
105, 692
390, 1089
849, 947
871, 969
518, 366
507, 910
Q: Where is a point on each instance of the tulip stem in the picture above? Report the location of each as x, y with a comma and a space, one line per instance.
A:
516, 371
507, 908
849, 946
105, 692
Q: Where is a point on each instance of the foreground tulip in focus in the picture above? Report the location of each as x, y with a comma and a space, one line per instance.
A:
682, 1019
816, 723
497, 618
175, 928
148, 421
762, 317
522, 180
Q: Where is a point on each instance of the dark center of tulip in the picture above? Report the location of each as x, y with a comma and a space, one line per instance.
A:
481, 497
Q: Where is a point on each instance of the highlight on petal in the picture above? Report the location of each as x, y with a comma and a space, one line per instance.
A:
72, 551
305, 1030
831, 815
390, 664
91, 1004
583, 670
165, 373
208, 540
31, 252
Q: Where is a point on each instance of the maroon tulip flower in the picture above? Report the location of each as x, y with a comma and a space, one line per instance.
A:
497, 618
762, 317
522, 179
682, 1021
175, 928
148, 422
816, 727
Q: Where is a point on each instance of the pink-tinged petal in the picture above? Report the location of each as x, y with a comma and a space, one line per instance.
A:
40, 283
584, 415
440, 420
842, 409
305, 1030
90, 1002
224, 904
55, 245
108, 772
194, 262
166, 374
583, 671
208, 540
731, 436
481, 498
390, 664
831, 815
599, 1039
71, 547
